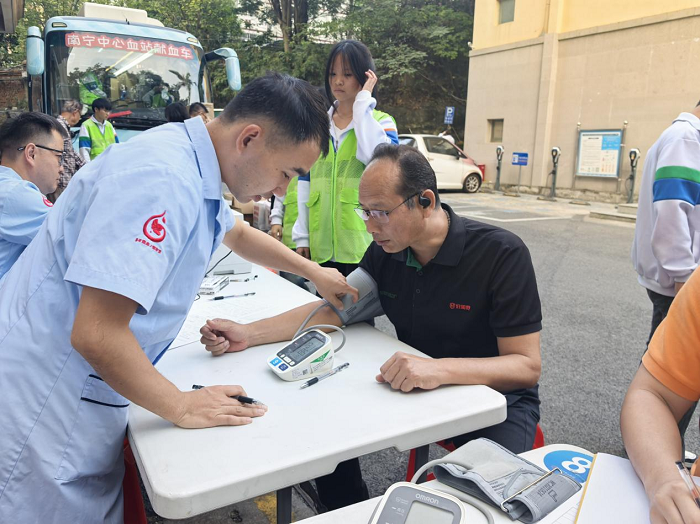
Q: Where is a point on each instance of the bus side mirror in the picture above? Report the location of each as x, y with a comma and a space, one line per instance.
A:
233, 73
35, 52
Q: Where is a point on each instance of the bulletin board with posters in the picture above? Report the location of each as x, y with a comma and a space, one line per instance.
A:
599, 153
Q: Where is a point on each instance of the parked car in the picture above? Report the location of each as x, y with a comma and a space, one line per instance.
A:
453, 168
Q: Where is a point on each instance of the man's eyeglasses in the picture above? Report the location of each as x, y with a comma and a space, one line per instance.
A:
380, 216
60, 155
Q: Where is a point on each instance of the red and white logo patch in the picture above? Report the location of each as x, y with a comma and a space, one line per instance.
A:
154, 228
47, 202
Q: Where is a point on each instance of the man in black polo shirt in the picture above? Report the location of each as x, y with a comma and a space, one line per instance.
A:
458, 290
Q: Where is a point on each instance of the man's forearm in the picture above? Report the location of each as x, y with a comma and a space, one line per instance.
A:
503, 373
256, 246
651, 437
117, 357
282, 327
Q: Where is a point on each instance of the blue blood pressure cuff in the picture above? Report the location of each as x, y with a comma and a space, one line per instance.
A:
367, 306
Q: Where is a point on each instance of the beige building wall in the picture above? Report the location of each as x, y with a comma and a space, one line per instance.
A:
643, 72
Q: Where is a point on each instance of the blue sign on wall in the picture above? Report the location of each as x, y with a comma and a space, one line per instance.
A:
449, 115
519, 159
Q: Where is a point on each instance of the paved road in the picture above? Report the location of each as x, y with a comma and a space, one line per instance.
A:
596, 321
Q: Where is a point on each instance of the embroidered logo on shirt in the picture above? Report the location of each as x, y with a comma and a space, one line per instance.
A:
154, 229
47, 202
387, 294
465, 307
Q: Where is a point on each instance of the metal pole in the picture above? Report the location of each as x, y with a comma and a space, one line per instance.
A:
634, 158
499, 159
520, 172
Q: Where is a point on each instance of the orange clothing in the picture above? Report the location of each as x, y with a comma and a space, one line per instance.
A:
673, 357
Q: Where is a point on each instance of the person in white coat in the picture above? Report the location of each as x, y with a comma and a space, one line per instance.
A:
105, 286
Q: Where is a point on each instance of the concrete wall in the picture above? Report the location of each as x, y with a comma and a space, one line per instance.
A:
528, 23
584, 14
644, 72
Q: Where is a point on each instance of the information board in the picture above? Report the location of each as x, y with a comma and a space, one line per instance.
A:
599, 153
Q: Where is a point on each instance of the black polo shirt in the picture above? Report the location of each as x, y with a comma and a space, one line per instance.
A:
480, 285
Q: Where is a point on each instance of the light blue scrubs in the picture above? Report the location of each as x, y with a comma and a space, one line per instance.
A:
142, 220
22, 211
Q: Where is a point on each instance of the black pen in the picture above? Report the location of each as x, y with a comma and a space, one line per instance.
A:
240, 398
233, 296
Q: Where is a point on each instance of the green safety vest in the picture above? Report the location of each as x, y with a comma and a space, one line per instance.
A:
335, 230
159, 101
291, 212
90, 89
99, 142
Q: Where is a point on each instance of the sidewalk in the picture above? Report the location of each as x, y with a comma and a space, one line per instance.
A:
501, 208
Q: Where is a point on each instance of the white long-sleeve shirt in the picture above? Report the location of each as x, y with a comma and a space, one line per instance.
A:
369, 133
666, 245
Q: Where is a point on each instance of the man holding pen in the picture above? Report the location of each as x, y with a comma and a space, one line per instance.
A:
99, 295
666, 386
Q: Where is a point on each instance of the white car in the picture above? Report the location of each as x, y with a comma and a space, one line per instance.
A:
453, 168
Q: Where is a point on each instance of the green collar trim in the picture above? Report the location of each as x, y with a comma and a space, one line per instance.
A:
411, 260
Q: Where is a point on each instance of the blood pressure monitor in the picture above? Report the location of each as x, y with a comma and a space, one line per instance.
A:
308, 355
406, 503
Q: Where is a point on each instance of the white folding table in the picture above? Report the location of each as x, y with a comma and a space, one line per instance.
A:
361, 512
305, 433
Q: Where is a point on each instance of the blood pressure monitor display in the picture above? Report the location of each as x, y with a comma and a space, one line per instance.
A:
301, 349
308, 355
421, 513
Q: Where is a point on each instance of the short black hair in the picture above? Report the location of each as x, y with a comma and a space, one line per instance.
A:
357, 56
195, 107
101, 103
176, 112
294, 106
415, 172
25, 128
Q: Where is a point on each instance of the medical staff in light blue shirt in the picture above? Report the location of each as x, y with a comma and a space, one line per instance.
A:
30, 166
107, 283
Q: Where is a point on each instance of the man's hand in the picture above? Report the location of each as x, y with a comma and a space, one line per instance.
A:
212, 406
221, 336
304, 252
276, 232
672, 504
331, 285
406, 372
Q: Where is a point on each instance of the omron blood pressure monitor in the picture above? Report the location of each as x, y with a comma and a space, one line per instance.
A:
308, 355
406, 503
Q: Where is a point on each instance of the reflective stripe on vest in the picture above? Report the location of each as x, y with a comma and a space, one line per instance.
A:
335, 230
98, 141
291, 212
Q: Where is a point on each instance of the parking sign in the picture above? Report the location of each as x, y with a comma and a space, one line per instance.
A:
449, 115
519, 159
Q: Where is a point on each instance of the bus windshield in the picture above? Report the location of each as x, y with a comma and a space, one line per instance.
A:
139, 76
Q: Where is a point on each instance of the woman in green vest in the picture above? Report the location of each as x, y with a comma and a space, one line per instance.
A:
327, 229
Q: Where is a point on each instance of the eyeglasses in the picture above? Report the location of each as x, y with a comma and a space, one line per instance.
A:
380, 216
61, 155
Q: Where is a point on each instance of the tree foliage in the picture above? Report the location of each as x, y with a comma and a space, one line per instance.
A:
419, 46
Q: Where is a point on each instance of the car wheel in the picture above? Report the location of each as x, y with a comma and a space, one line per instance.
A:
472, 183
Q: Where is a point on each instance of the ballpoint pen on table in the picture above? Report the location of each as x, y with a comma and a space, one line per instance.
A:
240, 398
234, 296
324, 376
689, 482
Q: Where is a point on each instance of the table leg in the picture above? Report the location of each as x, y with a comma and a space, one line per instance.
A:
284, 505
422, 459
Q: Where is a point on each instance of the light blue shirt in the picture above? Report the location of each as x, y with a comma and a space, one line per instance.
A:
142, 220
22, 211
